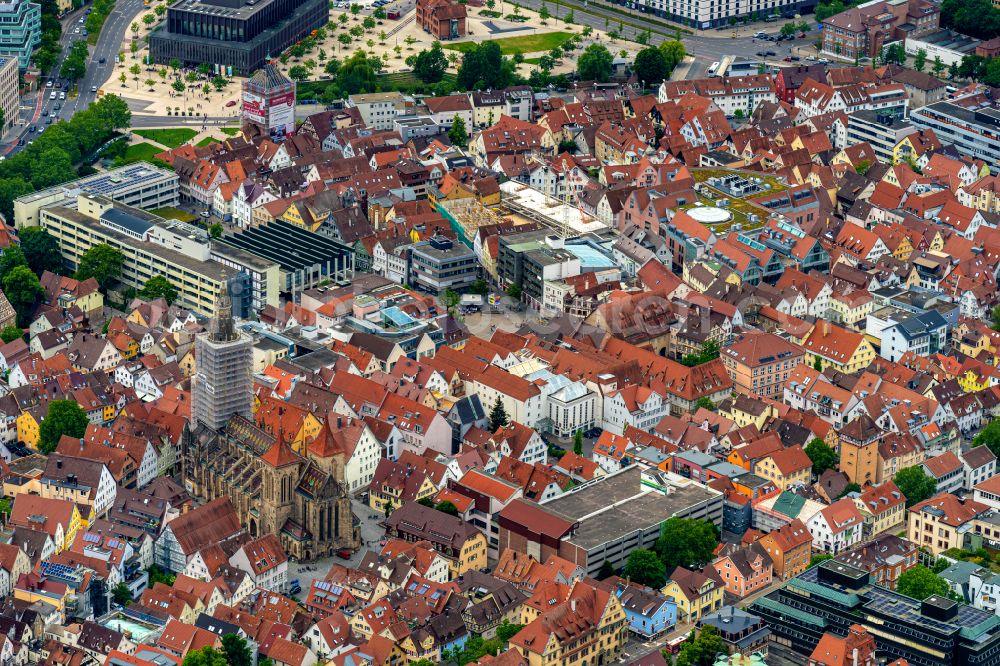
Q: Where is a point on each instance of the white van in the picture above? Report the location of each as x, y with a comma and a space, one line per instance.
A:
713, 68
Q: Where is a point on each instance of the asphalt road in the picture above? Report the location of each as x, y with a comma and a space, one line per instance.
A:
108, 44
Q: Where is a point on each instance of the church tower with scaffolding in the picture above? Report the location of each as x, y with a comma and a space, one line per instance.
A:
222, 386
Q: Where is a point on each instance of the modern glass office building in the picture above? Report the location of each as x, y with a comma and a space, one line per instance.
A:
20, 30
240, 34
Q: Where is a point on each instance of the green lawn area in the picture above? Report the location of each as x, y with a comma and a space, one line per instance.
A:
522, 44
171, 138
230, 131
139, 152
207, 140
174, 213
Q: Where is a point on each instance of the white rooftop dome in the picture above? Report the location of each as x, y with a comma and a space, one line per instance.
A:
710, 214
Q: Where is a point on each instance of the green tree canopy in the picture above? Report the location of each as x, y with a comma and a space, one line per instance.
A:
11, 333
458, 134
103, 263
578, 442
235, 648
41, 250
23, 290
822, 456
11, 257
121, 594
650, 66
709, 352
595, 63
507, 630
498, 416
686, 542
920, 60
989, 437
158, 287
701, 650
431, 64
920, 583
64, 417
705, 402
446, 506
915, 485
206, 656
646, 568
607, 570
484, 66
976, 18
357, 75
674, 52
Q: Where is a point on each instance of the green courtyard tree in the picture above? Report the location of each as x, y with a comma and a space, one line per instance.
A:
23, 290
158, 287
920, 60
595, 63
920, 583
706, 403
607, 570
915, 485
11, 333
646, 568
498, 416
41, 250
702, 649
686, 542
822, 456
64, 417
447, 506
11, 257
989, 437
507, 630
578, 442
236, 650
103, 263
121, 594
458, 134
206, 656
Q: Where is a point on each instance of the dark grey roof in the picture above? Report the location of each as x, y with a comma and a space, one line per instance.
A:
468, 410
921, 324
731, 620
269, 77
127, 220
216, 626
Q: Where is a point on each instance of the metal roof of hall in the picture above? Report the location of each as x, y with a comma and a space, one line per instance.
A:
291, 247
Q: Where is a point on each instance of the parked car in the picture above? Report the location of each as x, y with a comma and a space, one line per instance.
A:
231, 102
771, 54
344, 554
48, 84
32, 129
